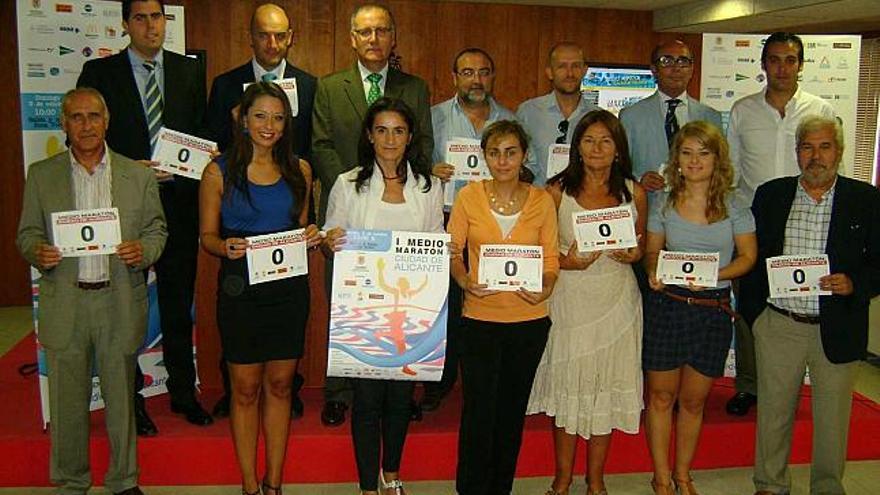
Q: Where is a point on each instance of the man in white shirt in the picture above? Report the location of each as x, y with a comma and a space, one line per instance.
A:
761, 133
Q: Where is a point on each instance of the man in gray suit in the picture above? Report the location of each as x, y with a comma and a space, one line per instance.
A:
341, 102
651, 123
93, 309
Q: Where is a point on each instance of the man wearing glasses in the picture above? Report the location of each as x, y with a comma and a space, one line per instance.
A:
271, 39
341, 103
464, 116
551, 118
652, 122
761, 134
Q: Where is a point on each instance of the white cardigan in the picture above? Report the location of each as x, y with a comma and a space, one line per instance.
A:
348, 209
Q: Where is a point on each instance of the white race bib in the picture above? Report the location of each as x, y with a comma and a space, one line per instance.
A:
797, 275
678, 268
277, 256
557, 159
181, 154
511, 267
86, 232
607, 228
470, 165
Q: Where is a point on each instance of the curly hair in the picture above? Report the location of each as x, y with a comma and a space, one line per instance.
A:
721, 183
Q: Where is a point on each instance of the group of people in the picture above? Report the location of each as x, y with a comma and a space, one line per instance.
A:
578, 350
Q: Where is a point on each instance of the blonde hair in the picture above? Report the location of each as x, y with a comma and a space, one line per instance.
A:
721, 182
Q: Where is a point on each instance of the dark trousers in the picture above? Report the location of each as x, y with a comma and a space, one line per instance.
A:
453, 337
175, 278
498, 364
379, 420
336, 388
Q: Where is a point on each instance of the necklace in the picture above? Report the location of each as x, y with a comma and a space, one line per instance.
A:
502, 206
386, 177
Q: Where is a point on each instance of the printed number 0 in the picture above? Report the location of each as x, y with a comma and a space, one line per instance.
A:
604, 230
277, 256
87, 233
472, 161
798, 276
183, 155
510, 268
687, 267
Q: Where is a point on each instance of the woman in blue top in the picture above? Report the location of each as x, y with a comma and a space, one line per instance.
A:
687, 328
258, 187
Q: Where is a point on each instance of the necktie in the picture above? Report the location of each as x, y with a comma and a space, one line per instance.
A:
671, 122
375, 93
154, 103
269, 77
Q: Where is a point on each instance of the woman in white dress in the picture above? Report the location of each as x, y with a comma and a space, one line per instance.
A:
590, 378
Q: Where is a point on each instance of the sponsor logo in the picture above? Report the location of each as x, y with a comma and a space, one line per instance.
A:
104, 52
87, 52
36, 49
42, 29
841, 46
65, 8
720, 77
54, 71
87, 8
722, 60
713, 93
109, 32
111, 13
760, 78
742, 43
36, 4
741, 77
35, 70
824, 63
170, 17
834, 79
63, 50
92, 31
68, 29
729, 93
745, 60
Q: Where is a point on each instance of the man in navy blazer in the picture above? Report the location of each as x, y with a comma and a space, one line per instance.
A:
271, 39
818, 212
122, 80
672, 64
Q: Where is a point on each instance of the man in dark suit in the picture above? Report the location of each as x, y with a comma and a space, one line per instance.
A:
341, 102
818, 212
271, 39
145, 88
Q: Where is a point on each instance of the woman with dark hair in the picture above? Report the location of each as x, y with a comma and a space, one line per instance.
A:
590, 377
503, 333
258, 187
688, 328
391, 188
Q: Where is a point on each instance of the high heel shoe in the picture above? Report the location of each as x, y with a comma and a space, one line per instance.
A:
245, 492
659, 489
685, 486
391, 487
276, 490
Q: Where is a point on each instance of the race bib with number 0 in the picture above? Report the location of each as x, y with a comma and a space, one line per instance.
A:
608, 228
86, 232
277, 256
181, 154
679, 268
511, 267
470, 165
797, 275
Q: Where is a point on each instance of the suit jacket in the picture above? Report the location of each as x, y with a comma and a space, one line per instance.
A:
853, 248
226, 92
337, 121
183, 111
646, 131
48, 189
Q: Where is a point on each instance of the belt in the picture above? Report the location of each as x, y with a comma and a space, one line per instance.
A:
800, 318
722, 303
93, 285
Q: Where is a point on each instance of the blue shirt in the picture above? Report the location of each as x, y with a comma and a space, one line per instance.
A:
540, 118
682, 235
450, 121
269, 208
141, 74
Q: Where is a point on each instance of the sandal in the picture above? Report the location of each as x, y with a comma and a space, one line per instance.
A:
276, 490
391, 487
245, 492
659, 489
685, 486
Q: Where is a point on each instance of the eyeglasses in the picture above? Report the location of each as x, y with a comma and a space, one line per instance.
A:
669, 61
470, 73
367, 33
562, 127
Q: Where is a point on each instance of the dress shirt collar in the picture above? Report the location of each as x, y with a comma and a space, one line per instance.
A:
789, 104
683, 98
553, 103
366, 72
493, 107
101, 167
259, 71
138, 62
826, 196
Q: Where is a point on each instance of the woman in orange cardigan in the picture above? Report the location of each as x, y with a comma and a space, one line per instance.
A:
503, 333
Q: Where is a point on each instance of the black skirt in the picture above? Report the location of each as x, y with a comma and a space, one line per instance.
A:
262, 322
677, 333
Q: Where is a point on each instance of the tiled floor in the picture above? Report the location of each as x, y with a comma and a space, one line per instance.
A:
862, 478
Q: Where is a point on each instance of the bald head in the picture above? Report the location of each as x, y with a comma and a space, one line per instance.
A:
566, 68
672, 63
271, 35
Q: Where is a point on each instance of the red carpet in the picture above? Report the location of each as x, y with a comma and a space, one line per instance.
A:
188, 455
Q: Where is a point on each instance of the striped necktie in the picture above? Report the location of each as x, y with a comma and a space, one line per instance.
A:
269, 77
671, 123
154, 103
375, 93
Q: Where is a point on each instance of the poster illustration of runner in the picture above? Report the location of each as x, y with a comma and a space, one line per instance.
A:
388, 306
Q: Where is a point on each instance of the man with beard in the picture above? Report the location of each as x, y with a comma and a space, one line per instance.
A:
761, 136
816, 213
462, 116
271, 39
552, 118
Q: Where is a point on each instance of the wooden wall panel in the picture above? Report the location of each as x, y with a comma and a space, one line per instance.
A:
429, 34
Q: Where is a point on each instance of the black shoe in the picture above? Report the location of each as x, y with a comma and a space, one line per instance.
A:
739, 404
432, 399
143, 424
221, 408
296, 407
193, 413
415, 412
333, 413
130, 491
